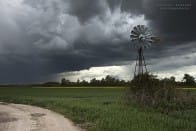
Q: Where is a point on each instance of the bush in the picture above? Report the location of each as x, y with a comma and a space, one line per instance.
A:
147, 90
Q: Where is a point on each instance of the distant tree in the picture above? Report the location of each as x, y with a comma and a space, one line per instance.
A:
84, 83
188, 79
94, 82
77, 83
121, 83
172, 79
110, 80
65, 82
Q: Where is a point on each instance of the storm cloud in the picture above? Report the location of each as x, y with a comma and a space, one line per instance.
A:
41, 38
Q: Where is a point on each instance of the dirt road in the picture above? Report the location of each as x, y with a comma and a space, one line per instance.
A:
17, 117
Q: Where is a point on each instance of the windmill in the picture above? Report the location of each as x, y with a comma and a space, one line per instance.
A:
142, 38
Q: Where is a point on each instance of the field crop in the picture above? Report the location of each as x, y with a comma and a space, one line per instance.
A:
101, 109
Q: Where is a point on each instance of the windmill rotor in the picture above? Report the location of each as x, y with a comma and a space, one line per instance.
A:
142, 37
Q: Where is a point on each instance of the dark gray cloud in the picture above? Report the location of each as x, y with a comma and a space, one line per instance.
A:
174, 24
173, 19
39, 38
86, 9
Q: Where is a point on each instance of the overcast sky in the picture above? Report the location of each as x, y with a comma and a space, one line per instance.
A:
45, 40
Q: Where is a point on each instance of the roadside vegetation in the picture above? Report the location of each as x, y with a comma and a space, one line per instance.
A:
165, 94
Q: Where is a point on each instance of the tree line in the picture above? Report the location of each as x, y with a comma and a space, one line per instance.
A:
107, 81
187, 80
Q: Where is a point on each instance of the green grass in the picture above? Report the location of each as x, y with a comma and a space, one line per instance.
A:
101, 109
188, 88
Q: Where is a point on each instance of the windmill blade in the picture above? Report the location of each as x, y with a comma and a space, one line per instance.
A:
141, 29
134, 36
134, 32
149, 39
136, 29
145, 29
148, 34
134, 39
148, 43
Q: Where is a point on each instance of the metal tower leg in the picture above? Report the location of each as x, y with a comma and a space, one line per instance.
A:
140, 67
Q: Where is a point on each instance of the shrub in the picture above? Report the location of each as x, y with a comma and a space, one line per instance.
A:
147, 90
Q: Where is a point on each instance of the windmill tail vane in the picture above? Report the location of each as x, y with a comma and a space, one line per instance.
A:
156, 39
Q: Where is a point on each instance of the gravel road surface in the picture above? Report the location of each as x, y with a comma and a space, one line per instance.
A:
18, 117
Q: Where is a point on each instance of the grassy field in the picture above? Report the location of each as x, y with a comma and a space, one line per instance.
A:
101, 109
